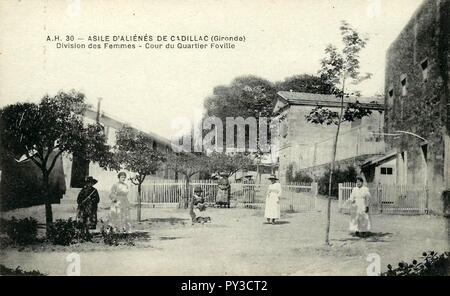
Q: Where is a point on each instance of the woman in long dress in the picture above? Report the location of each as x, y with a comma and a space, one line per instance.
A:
272, 210
120, 206
359, 209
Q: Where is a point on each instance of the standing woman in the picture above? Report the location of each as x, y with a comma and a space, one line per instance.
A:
87, 201
272, 211
120, 206
359, 209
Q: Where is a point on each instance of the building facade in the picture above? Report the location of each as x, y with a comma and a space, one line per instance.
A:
417, 115
76, 168
306, 147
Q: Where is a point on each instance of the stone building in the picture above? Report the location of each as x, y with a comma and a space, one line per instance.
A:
417, 89
307, 147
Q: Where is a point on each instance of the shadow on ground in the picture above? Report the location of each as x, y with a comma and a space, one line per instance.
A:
171, 220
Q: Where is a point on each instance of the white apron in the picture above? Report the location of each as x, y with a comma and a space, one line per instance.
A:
272, 210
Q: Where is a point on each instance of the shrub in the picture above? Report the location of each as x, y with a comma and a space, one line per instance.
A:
66, 232
16, 272
339, 176
297, 177
21, 231
432, 264
113, 237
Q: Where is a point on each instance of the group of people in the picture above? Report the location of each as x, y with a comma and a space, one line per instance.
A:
119, 216
358, 203
88, 200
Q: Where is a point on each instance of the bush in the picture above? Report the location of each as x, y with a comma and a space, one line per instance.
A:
21, 231
66, 232
432, 264
339, 176
112, 237
9, 271
297, 177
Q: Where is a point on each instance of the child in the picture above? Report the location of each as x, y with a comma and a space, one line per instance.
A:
198, 207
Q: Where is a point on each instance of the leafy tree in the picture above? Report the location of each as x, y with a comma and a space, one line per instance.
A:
134, 152
230, 164
44, 131
187, 164
340, 68
305, 83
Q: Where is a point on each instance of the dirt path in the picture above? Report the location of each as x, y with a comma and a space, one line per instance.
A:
237, 242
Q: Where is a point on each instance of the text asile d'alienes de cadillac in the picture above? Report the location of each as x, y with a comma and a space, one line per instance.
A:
147, 41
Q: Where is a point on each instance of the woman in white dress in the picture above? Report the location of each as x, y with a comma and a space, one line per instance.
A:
272, 210
119, 217
359, 209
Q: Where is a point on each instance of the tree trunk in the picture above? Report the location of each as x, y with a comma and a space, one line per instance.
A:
139, 207
48, 203
187, 193
327, 231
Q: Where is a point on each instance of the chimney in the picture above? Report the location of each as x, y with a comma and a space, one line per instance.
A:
98, 109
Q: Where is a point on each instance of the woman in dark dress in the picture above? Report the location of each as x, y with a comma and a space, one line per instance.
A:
87, 201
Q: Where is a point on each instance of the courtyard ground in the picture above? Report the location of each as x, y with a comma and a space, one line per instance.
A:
238, 242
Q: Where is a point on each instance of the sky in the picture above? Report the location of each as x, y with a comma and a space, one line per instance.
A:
150, 88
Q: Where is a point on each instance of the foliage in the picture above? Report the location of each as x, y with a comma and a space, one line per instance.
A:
21, 231
188, 164
134, 152
222, 162
66, 232
18, 271
113, 237
433, 264
297, 177
337, 69
305, 83
246, 96
348, 174
44, 131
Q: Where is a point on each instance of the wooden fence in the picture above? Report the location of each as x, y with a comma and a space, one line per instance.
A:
389, 199
170, 193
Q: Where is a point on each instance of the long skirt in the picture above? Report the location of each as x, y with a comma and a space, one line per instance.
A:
359, 219
119, 215
272, 210
222, 197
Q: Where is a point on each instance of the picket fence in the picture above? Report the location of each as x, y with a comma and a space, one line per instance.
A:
170, 193
389, 199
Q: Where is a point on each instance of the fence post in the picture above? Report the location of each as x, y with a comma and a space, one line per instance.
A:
340, 197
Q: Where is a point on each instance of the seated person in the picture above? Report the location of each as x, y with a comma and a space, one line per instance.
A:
199, 207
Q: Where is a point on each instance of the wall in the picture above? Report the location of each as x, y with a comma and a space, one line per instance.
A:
304, 145
422, 109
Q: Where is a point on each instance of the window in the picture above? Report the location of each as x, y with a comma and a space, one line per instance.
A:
403, 81
386, 171
424, 66
391, 92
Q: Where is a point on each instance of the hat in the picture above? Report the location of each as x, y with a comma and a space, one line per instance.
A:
90, 179
273, 177
223, 174
198, 189
248, 176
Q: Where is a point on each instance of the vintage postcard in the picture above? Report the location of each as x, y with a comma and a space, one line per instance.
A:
225, 138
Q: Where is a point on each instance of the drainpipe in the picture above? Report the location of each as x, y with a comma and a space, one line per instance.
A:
99, 100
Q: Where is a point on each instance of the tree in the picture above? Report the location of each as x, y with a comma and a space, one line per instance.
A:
187, 164
230, 164
339, 68
305, 83
44, 131
134, 152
